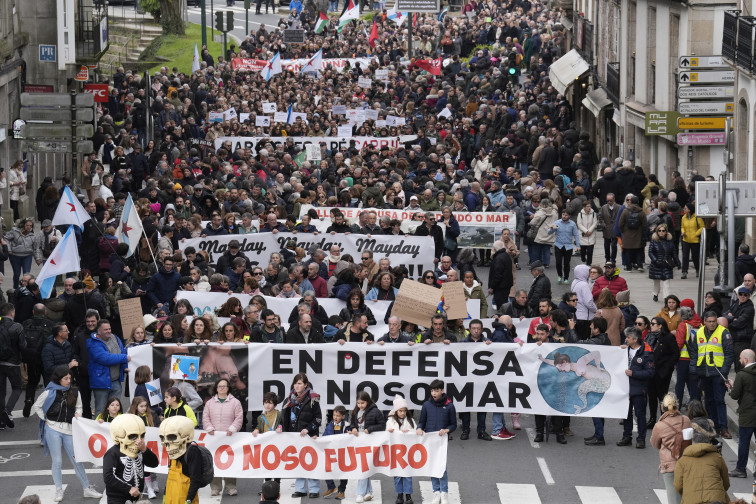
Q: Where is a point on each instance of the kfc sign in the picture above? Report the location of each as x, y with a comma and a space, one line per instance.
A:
100, 92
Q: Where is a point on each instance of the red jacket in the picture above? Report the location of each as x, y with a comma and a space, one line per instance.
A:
615, 284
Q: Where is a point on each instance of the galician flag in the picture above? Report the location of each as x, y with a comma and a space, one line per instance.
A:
273, 67
70, 211
130, 227
397, 16
195, 59
313, 64
64, 259
351, 12
322, 23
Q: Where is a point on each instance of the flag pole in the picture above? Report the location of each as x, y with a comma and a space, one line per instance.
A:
149, 246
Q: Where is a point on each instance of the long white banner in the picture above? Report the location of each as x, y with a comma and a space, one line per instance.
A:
332, 143
549, 379
411, 251
289, 455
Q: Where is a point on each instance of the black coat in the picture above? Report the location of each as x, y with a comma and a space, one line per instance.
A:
54, 354
500, 276
294, 335
373, 420
438, 237
745, 263
307, 415
662, 255
740, 321
666, 352
541, 288
113, 473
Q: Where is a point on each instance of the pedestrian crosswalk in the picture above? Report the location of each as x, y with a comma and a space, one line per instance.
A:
239, 14
383, 491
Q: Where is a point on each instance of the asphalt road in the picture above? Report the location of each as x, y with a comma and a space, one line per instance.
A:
269, 20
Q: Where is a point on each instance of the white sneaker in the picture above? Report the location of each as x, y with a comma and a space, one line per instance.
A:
368, 497
58, 495
91, 493
436, 498
359, 498
150, 492
444, 497
155, 486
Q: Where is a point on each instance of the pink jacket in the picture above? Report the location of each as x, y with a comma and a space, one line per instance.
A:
664, 438
222, 416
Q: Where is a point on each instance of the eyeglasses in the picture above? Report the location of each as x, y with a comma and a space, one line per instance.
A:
573, 300
640, 324
655, 323
742, 294
429, 277
257, 273
365, 258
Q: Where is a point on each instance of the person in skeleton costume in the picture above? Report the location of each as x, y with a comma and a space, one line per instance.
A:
185, 464
123, 463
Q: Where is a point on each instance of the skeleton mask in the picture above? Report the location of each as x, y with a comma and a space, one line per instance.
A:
126, 430
175, 434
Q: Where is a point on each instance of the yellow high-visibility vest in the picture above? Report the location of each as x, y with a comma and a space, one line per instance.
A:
713, 346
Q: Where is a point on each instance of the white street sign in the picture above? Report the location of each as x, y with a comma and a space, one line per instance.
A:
697, 108
695, 62
705, 92
707, 76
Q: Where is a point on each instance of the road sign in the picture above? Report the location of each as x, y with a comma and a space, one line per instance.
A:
54, 131
695, 62
48, 52
83, 147
707, 76
695, 108
661, 122
83, 74
54, 114
707, 198
701, 123
55, 100
701, 138
705, 92
418, 6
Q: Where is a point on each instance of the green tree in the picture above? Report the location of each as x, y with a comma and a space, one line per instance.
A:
167, 13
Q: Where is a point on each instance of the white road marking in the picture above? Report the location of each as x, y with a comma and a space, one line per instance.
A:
46, 492
205, 497
594, 495
733, 445
426, 492
22, 474
510, 493
531, 437
661, 495
287, 488
351, 490
17, 443
545, 470
745, 496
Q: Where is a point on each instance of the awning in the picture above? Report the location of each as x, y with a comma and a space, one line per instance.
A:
636, 113
596, 101
567, 22
566, 69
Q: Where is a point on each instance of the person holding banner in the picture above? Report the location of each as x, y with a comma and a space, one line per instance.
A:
438, 415
223, 413
365, 418
301, 413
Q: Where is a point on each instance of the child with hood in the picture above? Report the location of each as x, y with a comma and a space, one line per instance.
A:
585, 306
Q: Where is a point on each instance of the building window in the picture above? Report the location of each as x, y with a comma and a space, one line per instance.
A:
652, 84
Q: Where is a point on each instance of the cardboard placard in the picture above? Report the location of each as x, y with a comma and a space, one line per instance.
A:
454, 297
130, 311
416, 302
281, 117
243, 116
370, 114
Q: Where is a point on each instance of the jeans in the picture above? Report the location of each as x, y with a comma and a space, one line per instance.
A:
441, 484
598, 428
102, 395
301, 484
714, 392
563, 257
687, 250
402, 485
744, 441
610, 249
333, 6
364, 486
481, 417
13, 374
669, 483
342, 485
586, 254
541, 252
55, 440
637, 403
497, 423
20, 265
684, 376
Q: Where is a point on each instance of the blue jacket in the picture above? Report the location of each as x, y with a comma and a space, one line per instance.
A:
162, 286
642, 366
437, 415
296, 4
330, 428
565, 233
100, 360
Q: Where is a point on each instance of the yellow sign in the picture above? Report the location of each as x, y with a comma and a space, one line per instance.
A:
701, 123
694, 62
730, 107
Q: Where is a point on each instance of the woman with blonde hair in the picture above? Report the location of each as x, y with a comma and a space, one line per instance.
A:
667, 438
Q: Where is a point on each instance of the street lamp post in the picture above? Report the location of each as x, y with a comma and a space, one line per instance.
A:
203, 22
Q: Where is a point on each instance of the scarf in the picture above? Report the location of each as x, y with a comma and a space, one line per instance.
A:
52, 390
288, 295
297, 399
333, 259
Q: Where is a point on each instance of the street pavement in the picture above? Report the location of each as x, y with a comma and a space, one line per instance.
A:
269, 20
518, 471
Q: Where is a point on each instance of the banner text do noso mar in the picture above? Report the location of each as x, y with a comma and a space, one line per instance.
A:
550, 379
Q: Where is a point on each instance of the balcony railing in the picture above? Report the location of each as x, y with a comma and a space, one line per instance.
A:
91, 31
730, 35
744, 49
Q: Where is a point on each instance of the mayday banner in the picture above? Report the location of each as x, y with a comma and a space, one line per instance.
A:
289, 455
333, 143
410, 251
550, 379
295, 65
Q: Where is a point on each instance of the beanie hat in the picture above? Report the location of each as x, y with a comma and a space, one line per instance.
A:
88, 282
689, 304
399, 403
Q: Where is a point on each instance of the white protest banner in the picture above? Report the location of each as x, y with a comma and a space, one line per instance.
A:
262, 121
380, 123
392, 120
338, 64
215, 117
502, 377
289, 455
332, 143
313, 152
382, 74
153, 389
339, 110
345, 131
269, 107
445, 112
365, 82
281, 117
244, 116
229, 114
371, 114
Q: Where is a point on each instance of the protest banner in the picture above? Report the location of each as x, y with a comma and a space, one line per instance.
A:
153, 389
410, 251
262, 121
416, 302
269, 107
130, 311
313, 152
345, 131
332, 143
184, 367
295, 65
289, 455
365, 82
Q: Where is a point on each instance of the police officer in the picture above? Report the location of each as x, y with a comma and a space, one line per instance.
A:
640, 361
711, 358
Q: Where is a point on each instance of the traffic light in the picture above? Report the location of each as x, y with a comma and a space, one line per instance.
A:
219, 21
229, 21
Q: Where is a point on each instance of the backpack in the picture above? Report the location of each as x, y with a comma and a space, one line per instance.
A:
566, 182
630, 312
208, 472
633, 220
35, 336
